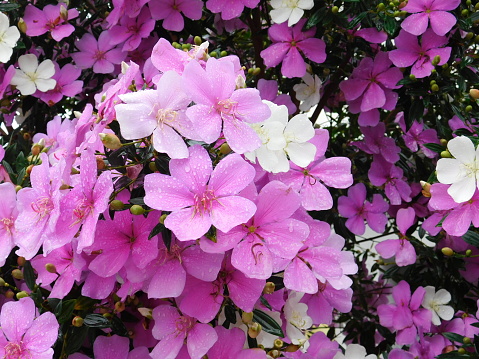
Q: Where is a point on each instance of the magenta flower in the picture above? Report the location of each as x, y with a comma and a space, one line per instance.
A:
220, 106
130, 31
357, 210
199, 196
371, 85
173, 329
131, 8
377, 143
420, 57
67, 84
165, 277
8, 214
417, 137
170, 12
114, 347
401, 248
121, 239
404, 316
69, 267
385, 173
230, 345
434, 11
23, 334
230, 9
286, 47
53, 19
99, 54
82, 206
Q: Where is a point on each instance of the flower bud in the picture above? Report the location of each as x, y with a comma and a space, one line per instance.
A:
162, 218
466, 340
254, 330
447, 251
29, 169
77, 321
435, 88
278, 343
50, 268
22, 26
335, 9
436, 60
274, 353
198, 41
117, 205
18, 188
381, 7
247, 317
63, 12
100, 164
21, 261
152, 166
36, 149
269, 288
22, 294
426, 189
136, 209
291, 348
443, 142
223, 53
213, 54
110, 141
17, 274
468, 108
2, 282
412, 77
461, 351
468, 253
474, 93
146, 312
225, 148
9, 294
446, 154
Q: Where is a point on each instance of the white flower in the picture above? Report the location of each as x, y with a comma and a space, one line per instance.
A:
354, 351
435, 302
9, 36
461, 172
289, 10
32, 76
297, 319
282, 140
308, 92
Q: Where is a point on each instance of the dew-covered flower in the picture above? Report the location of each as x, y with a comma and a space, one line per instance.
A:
297, 321
9, 36
289, 10
462, 171
23, 334
436, 303
33, 76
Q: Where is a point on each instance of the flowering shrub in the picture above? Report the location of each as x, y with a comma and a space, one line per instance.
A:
202, 179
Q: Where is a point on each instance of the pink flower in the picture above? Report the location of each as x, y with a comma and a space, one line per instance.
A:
53, 19
161, 112
356, 209
130, 31
420, 57
170, 12
69, 267
434, 11
173, 330
405, 317
417, 137
23, 334
100, 55
199, 196
231, 8
67, 84
230, 345
220, 106
401, 248
286, 47
8, 214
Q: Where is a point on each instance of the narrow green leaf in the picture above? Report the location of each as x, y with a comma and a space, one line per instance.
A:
434, 147
472, 238
29, 275
454, 337
8, 7
96, 321
268, 324
160, 227
64, 310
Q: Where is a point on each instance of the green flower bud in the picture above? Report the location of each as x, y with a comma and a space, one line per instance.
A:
137, 210
17, 274
22, 294
77, 321
117, 205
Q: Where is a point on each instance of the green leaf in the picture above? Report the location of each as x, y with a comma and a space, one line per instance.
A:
118, 327
268, 324
472, 238
452, 355
265, 303
434, 147
160, 227
475, 324
475, 16
64, 310
454, 337
139, 201
357, 20
8, 7
416, 111
75, 338
29, 275
390, 25
96, 321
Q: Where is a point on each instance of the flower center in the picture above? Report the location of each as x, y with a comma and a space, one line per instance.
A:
165, 116
99, 55
82, 210
15, 351
227, 108
42, 206
204, 202
7, 224
183, 325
